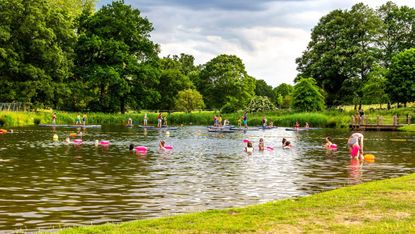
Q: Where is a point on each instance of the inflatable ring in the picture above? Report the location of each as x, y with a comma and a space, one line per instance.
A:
77, 141
168, 147
141, 149
104, 142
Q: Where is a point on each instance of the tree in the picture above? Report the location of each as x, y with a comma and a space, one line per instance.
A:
342, 47
283, 94
189, 100
172, 81
224, 80
260, 104
307, 96
374, 90
398, 34
263, 89
74, 7
117, 59
401, 77
36, 52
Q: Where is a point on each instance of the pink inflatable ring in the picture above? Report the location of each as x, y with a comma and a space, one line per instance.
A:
104, 142
141, 149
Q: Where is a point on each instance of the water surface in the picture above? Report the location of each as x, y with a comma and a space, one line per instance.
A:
46, 184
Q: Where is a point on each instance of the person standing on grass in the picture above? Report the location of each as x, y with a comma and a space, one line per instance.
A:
145, 119
54, 118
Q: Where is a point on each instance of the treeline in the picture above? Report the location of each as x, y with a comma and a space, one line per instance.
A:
64, 55
363, 55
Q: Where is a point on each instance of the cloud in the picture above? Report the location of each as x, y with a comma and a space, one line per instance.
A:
268, 35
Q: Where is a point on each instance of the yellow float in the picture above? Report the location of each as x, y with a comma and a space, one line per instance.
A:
369, 157
73, 134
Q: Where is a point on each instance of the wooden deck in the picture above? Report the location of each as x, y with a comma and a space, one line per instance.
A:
375, 127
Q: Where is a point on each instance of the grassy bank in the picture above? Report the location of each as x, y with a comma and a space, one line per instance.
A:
408, 128
386, 206
279, 118
334, 118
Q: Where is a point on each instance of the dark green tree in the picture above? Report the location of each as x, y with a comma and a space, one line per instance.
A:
401, 77
398, 34
36, 52
374, 90
307, 96
283, 94
224, 80
263, 89
117, 60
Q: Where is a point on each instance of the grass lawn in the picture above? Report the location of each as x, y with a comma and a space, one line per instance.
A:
408, 128
386, 206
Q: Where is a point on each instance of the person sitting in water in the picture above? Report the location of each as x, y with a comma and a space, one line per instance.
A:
249, 148
287, 145
355, 143
283, 141
261, 145
271, 124
161, 145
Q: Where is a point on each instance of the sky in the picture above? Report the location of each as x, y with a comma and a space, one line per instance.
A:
268, 35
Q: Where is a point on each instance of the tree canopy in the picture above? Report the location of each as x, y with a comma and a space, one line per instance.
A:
307, 96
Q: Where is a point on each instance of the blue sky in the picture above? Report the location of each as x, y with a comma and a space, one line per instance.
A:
268, 35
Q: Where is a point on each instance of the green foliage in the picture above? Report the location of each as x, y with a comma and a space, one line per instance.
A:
224, 78
189, 100
263, 89
402, 77
116, 58
307, 96
374, 90
260, 104
36, 52
283, 94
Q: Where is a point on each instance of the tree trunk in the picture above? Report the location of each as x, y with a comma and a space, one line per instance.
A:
122, 105
389, 105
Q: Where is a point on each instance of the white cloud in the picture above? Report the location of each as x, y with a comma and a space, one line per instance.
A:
268, 35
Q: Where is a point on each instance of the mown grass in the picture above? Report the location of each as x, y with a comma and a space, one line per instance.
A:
386, 206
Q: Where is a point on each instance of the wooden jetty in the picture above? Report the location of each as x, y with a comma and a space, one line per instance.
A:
375, 127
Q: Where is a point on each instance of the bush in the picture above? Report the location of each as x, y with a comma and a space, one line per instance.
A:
36, 121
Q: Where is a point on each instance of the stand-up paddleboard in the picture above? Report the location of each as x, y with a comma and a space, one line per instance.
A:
69, 126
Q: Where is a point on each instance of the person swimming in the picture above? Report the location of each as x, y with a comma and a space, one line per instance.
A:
329, 144
287, 145
131, 147
283, 141
161, 145
249, 148
261, 145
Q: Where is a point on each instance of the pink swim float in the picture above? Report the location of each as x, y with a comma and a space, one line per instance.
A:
104, 142
168, 147
333, 146
270, 148
77, 141
245, 140
141, 149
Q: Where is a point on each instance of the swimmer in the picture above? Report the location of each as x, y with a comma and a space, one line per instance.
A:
355, 143
96, 142
283, 141
329, 144
261, 146
287, 145
249, 148
131, 147
161, 145
67, 140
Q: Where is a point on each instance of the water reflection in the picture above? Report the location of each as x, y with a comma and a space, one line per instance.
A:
46, 183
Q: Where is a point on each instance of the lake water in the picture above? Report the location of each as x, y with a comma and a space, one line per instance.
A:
46, 184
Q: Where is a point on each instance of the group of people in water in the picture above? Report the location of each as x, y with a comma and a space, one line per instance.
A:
354, 142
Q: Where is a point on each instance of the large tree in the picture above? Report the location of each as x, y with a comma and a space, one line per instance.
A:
263, 89
36, 52
342, 48
117, 59
398, 30
189, 100
401, 77
307, 96
283, 95
224, 80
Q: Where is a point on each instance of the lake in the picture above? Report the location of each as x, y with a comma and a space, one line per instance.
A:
46, 184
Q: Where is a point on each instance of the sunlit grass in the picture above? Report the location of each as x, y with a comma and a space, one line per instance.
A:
386, 206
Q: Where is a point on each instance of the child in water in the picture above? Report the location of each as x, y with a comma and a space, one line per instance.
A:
161, 145
249, 148
261, 146
287, 145
283, 141
131, 147
329, 144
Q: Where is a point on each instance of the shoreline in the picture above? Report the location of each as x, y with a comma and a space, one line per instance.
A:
373, 207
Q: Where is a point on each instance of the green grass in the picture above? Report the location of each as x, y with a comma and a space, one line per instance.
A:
386, 206
408, 128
